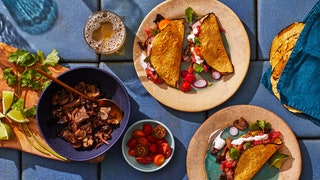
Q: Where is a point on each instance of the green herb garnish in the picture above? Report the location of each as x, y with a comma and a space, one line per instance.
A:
189, 15
234, 153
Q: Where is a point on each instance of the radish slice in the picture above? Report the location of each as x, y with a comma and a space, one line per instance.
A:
200, 83
215, 75
233, 131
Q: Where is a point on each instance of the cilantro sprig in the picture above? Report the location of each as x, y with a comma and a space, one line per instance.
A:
29, 78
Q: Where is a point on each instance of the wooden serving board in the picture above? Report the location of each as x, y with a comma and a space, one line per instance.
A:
19, 142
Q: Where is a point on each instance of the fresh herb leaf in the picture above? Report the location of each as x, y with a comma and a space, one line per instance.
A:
154, 31
189, 15
52, 59
234, 153
19, 104
260, 125
196, 41
30, 112
9, 76
23, 58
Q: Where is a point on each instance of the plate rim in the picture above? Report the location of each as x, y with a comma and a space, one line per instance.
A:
296, 159
183, 102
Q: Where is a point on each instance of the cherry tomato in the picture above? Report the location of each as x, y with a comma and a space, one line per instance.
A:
132, 143
165, 149
144, 160
147, 128
158, 159
131, 152
141, 150
142, 140
153, 148
138, 133
159, 131
185, 86
151, 139
160, 141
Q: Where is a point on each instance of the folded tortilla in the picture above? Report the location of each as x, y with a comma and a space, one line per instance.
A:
280, 51
166, 52
253, 159
212, 47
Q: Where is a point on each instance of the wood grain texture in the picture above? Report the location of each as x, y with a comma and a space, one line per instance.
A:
31, 98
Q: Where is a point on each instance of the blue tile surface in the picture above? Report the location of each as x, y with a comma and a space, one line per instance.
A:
262, 19
9, 164
273, 16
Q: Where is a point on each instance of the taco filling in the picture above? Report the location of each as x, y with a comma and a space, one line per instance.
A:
242, 156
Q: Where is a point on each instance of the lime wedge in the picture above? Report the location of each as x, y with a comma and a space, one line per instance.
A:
6, 132
17, 116
7, 99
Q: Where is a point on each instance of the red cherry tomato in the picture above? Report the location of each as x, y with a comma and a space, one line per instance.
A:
159, 131
151, 139
185, 86
165, 149
131, 152
142, 140
141, 150
138, 133
153, 148
144, 160
132, 143
158, 159
160, 141
147, 128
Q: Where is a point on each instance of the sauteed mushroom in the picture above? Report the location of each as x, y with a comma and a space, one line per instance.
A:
81, 122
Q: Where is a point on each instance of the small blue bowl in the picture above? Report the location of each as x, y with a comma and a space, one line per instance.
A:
108, 84
131, 160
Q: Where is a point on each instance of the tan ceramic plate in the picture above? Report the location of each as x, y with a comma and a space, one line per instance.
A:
237, 46
198, 146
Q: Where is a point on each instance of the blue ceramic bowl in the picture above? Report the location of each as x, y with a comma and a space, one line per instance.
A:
131, 160
108, 84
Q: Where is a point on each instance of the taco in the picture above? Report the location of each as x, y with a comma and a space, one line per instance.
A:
211, 45
280, 51
166, 52
253, 159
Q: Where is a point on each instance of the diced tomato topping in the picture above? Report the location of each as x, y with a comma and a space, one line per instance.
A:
197, 50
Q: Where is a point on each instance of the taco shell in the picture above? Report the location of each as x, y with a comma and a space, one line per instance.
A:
212, 47
166, 52
280, 51
253, 159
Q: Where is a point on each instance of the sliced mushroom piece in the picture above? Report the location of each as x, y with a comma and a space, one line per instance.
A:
241, 123
79, 115
104, 112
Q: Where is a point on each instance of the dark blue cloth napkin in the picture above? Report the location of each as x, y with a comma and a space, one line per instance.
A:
299, 83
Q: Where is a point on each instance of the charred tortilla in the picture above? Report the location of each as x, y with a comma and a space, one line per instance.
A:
212, 47
253, 159
166, 52
280, 51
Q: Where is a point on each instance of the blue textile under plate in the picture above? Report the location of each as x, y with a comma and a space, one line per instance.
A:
299, 83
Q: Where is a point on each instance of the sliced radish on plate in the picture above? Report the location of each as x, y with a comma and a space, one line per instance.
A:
200, 83
233, 131
215, 75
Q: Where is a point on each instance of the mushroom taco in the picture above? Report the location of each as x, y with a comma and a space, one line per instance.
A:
242, 154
